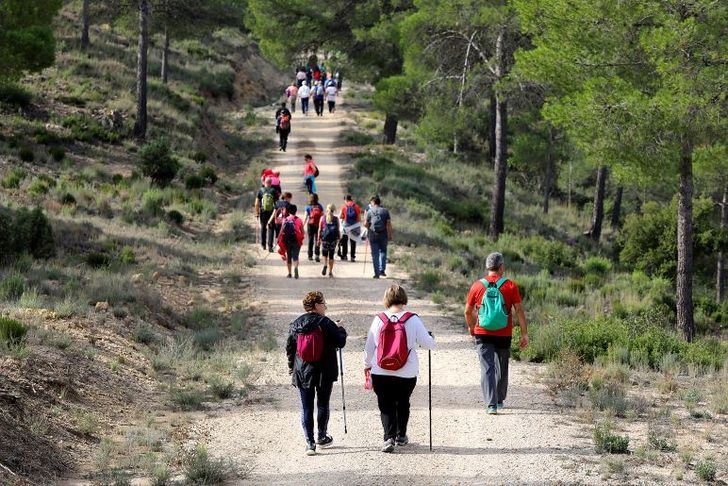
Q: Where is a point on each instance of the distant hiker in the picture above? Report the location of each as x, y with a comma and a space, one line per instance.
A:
310, 173
350, 215
311, 348
316, 74
283, 126
314, 212
275, 181
318, 98
300, 76
303, 94
331, 92
264, 206
280, 212
290, 239
379, 226
339, 80
489, 314
329, 234
291, 94
391, 358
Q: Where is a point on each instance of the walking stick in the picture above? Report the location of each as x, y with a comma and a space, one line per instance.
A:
366, 247
429, 371
343, 400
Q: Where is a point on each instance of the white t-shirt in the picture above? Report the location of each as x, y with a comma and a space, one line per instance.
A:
416, 335
304, 91
301, 75
331, 93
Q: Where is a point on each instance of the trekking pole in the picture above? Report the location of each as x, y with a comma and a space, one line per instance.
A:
366, 247
429, 371
343, 400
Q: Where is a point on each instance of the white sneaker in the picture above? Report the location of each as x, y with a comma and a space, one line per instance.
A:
388, 445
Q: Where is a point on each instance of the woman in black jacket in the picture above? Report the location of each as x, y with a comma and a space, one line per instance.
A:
311, 348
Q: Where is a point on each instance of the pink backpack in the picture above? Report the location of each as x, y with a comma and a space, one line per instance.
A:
310, 347
392, 352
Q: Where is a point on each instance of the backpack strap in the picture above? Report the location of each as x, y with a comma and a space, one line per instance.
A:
384, 318
500, 282
485, 283
405, 317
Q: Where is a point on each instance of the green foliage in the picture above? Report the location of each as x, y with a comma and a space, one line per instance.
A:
208, 174
15, 95
157, 162
194, 181
97, 260
186, 399
32, 233
397, 96
200, 468
605, 441
355, 137
217, 81
552, 255
175, 217
597, 265
87, 129
26, 154
13, 179
706, 470
143, 333
221, 389
58, 153
12, 333
12, 287
207, 338
126, 255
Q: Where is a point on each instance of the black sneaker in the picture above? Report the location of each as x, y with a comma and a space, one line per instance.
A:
310, 449
353, 259
270, 250
318, 260
388, 445
401, 440
310, 259
382, 274
295, 272
289, 275
326, 441
376, 276
323, 272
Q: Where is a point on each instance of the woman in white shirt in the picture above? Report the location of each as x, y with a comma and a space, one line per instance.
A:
303, 93
331, 97
394, 384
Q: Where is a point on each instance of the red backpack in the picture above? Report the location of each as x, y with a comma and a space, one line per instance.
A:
315, 214
392, 352
310, 346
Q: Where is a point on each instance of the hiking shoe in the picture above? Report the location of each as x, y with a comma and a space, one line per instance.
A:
376, 276
310, 449
296, 273
310, 259
388, 445
343, 258
353, 259
500, 405
492, 411
402, 440
326, 441
289, 275
323, 272
270, 250
318, 260
331, 274
382, 274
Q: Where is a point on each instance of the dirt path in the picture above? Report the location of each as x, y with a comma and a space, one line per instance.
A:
530, 442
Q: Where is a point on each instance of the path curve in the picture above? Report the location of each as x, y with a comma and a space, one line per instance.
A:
530, 442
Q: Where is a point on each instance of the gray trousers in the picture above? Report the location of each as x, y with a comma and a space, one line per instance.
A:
493, 372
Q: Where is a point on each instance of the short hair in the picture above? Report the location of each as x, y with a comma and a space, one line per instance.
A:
311, 299
313, 198
348, 197
283, 105
376, 200
307, 156
494, 261
395, 295
292, 209
287, 195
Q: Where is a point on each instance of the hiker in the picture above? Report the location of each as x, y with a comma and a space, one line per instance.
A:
310, 173
331, 92
350, 215
264, 206
283, 126
379, 232
300, 76
328, 237
291, 94
280, 212
318, 98
303, 94
395, 369
314, 211
339, 79
290, 239
275, 181
489, 314
311, 349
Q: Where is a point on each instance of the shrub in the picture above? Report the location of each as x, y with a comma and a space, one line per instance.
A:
58, 153
706, 470
706, 352
355, 137
194, 181
175, 217
606, 441
153, 201
33, 233
200, 157
186, 399
660, 440
208, 174
201, 317
144, 334
126, 255
428, 280
67, 199
551, 255
12, 287
97, 260
206, 339
239, 229
221, 389
13, 179
597, 265
37, 187
567, 372
87, 129
200, 468
608, 396
15, 95
26, 154
157, 162
12, 333
217, 81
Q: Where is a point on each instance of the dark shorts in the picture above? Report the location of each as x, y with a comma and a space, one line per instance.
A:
292, 253
328, 249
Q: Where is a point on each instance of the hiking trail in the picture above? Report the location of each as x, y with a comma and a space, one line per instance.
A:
531, 441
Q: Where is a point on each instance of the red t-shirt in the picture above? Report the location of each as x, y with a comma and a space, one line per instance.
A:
510, 294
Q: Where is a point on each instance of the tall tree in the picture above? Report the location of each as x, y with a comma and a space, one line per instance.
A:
595, 230
84, 24
140, 126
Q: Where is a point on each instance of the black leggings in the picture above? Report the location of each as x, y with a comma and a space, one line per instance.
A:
308, 395
313, 241
393, 395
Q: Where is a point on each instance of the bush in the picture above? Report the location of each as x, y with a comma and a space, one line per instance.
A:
605, 395
157, 162
67, 199
33, 233
126, 255
706, 470
13, 179
194, 181
205, 339
217, 81
200, 468
37, 187
144, 334
597, 265
26, 154
97, 260
14, 95
87, 129
200, 157
58, 153
220, 389
208, 174
606, 441
186, 399
12, 333
175, 217
12, 287
201, 317
153, 201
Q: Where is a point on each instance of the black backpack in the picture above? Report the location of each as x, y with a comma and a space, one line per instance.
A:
289, 233
376, 221
330, 232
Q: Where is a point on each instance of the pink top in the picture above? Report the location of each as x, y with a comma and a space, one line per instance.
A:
310, 168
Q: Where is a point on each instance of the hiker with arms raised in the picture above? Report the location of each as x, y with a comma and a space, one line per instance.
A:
489, 315
311, 349
379, 226
391, 359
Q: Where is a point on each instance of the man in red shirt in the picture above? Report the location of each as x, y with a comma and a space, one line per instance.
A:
495, 343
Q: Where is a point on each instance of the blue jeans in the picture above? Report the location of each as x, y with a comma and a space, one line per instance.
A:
307, 398
304, 105
379, 252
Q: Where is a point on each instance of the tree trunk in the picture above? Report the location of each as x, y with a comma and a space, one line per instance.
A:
595, 232
685, 320
165, 56
720, 267
498, 198
84, 25
491, 129
140, 127
390, 129
617, 208
548, 177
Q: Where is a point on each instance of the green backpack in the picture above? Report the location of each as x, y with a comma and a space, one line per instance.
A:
492, 315
268, 201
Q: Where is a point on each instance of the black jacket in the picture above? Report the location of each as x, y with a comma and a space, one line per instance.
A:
305, 374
